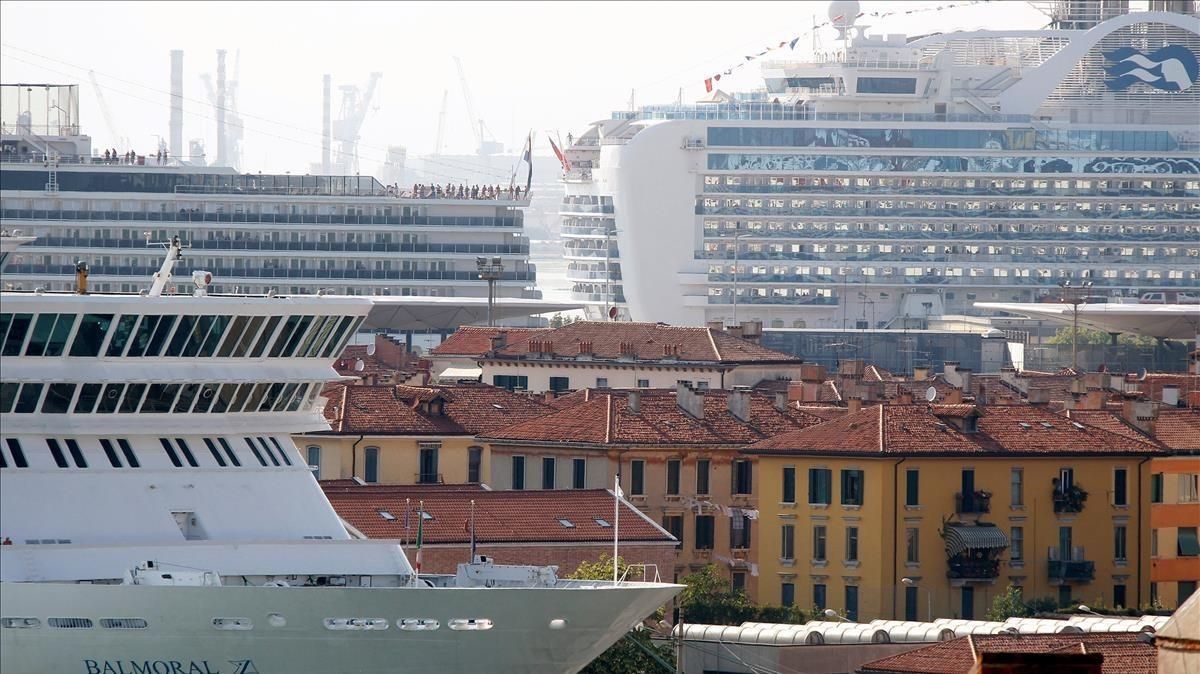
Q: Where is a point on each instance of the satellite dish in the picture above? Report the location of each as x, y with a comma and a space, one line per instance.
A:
1142, 374
930, 394
371, 349
359, 365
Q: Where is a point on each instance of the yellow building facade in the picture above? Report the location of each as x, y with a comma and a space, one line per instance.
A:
933, 517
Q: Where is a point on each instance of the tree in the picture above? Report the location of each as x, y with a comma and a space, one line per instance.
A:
628, 655
1098, 338
1008, 605
709, 599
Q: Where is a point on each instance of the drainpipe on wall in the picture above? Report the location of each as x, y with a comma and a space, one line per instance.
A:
354, 457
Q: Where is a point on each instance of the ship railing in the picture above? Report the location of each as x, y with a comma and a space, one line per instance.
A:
650, 572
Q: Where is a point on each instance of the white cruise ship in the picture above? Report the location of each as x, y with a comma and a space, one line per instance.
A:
156, 517
295, 234
901, 177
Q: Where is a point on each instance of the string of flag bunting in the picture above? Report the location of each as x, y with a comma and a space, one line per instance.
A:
712, 80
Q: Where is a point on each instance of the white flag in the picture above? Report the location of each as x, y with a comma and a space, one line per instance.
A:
617, 487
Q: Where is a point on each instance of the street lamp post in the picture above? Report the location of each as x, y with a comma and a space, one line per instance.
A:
736, 256
490, 270
910, 582
1075, 295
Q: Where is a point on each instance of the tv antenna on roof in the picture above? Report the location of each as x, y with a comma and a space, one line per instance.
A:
930, 394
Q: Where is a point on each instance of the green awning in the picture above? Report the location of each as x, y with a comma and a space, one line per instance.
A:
963, 537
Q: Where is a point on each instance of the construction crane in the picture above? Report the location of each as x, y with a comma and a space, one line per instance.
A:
486, 145
119, 138
350, 120
441, 132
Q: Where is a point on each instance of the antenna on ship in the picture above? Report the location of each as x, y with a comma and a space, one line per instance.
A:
163, 276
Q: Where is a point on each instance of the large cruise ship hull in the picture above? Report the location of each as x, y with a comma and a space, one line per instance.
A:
287, 633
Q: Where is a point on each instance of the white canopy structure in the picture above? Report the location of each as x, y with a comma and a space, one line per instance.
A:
448, 313
1165, 321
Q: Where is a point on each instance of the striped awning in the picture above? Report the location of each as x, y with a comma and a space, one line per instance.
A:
963, 537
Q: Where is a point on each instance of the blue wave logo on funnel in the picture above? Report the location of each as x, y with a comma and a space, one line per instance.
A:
1172, 68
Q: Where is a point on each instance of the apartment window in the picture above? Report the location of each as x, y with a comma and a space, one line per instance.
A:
674, 526
852, 487
739, 532
601, 382
911, 600
1183, 590
912, 487
518, 472
578, 473
673, 477
787, 594
428, 464
787, 544
739, 581
912, 544
820, 484
851, 544
371, 461
742, 474
1154, 542
643, 383
789, 484
1120, 487
704, 532
314, 460
968, 603
702, 467
819, 595
1066, 478
637, 477
1119, 596
511, 382
1186, 544
1156, 488
1017, 486
474, 464
548, 472
1016, 548
819, 543
560, 384
1119, 542
852, 602
1189, 488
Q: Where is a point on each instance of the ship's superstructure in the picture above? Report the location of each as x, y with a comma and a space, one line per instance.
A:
153, 508
896, 178
295, 234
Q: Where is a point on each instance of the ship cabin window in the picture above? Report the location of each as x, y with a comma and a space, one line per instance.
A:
70, 623
132, 399
60, 459
8, 396
14, 328
18, 454
89, 394
121, 334
282, 452
233, 457
130, 457
254, 450
124, 623
171, 453
216, 454
90, 335
58, 398
49, 335
267, 450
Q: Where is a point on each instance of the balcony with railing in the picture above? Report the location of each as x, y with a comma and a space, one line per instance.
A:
974, 503
966, 568
1068, 499
429, 478
1075, 569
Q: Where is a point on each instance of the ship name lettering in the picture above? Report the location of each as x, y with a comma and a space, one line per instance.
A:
148, 667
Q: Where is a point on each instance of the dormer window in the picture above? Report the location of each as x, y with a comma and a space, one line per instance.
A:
970, 424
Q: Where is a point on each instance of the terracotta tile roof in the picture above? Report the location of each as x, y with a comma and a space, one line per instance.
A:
904, 430
467, 409
471, 340
1152, 385
1110, 421
500, 516
1123, 653
604, 417
1178, 429
645, 341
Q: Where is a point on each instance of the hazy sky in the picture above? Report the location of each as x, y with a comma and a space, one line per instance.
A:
530, 65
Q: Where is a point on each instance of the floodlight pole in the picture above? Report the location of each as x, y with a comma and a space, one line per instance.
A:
491, 269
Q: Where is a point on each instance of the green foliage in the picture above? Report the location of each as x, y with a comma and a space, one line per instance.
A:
558, 320
708, 599
1040, 605
1008, 605
1097, 337
625, 656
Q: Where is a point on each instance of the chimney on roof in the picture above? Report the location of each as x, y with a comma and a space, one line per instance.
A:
781, 399
735, 330
498, 340
752, 331
905, 397
715, 325
1170, 395
739, 403
812, 372
1038, 396
585, 348
851, 368
964, 380
950, 372
922, 372
1093, 399
627, 350
854, 403
635, 402
689, 400
1140, 413
953, 397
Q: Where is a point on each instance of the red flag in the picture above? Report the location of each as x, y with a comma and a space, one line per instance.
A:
562, 158
708, 85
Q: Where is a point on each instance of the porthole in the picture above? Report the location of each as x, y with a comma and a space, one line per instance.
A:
470, 624
558, 624
357, 624
20, 623
70, 623
234, 624
418, 624
276, 620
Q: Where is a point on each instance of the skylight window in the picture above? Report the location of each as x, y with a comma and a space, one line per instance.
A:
498, 406
1047, 424
566, 523
602, 522
1025, 425
387, 515
1078, 425
426, 516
